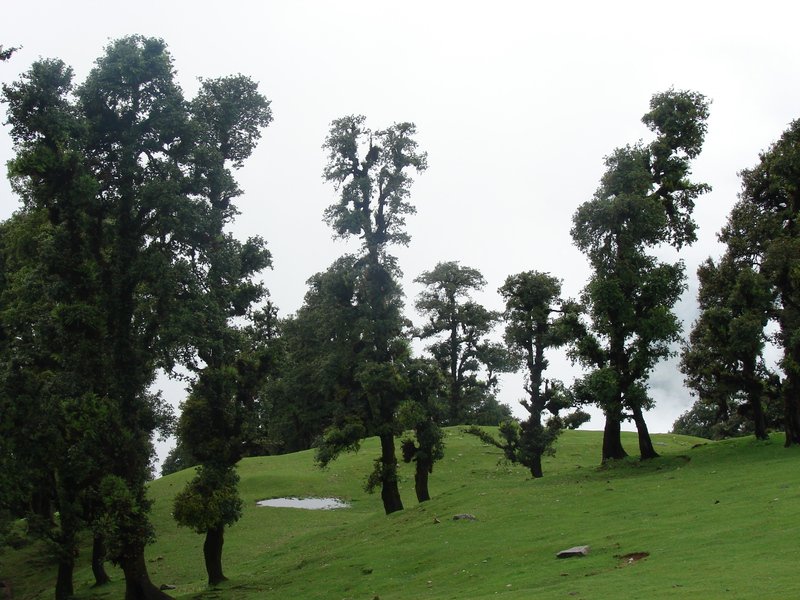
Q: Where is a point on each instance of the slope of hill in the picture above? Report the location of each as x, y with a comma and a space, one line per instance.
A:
718, 520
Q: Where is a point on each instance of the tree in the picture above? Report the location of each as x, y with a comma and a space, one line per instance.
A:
768, 229
315, 385
54, 407
532, 299
645, 199
460, 327
6, 53
421, 413
227, 117
373, 205
727, 341
124, 144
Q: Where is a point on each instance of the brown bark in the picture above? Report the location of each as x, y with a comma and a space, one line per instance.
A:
612, 439
137, 580
536, 466
98, 561
66, 566
212, 552
421, 480
791, 408
646, 449
390, 493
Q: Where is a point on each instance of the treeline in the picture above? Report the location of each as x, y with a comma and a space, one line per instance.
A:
119, 262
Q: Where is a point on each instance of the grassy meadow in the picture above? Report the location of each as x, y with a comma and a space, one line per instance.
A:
717, 520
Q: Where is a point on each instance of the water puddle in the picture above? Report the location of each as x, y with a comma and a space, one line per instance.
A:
306, 503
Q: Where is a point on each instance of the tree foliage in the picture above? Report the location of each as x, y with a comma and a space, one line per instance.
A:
532, 301
371, 170
226, 116
421, 413
763, 227
724, 359
645, 199
460, 327
113, 172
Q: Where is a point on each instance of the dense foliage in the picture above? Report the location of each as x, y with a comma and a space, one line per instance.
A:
119, 263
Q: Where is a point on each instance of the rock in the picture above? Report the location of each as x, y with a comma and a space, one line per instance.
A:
574, 551
465, 517
436, 520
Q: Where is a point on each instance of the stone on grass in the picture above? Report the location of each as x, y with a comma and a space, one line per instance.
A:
574, 551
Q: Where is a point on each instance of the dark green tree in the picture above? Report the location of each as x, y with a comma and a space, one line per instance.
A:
227, 116
126, 141
724, 358
53, 328
371, 171
534, 318
765, 223
315, 383
645, 200
421, 413
460, 328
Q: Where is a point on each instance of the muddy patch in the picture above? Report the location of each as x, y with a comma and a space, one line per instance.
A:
633, 557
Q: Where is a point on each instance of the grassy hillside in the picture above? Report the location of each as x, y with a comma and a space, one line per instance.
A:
721, 520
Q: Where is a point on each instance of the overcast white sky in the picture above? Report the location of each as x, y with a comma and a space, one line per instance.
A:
516, 104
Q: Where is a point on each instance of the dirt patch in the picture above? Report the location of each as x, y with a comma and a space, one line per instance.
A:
632, 557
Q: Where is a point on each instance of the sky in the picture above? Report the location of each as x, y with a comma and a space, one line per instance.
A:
515, 102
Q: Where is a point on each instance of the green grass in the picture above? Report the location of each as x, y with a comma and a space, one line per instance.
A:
721, 520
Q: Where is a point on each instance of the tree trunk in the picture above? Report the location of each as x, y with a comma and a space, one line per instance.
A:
612, 438
759, 424
137, 581
646, 449
390, 493
212, 552
754, 389
536, 466
421, 480
791, 409
98, 561
66, 565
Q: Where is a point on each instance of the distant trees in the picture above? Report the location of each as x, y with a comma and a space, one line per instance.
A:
460, 328
371, 170
645, 199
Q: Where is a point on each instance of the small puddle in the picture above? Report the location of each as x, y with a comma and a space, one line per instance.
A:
306, 503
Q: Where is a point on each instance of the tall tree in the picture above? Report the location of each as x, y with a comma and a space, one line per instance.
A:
315, 385
371, 170
645, 199
138, 143
130, 137
534, 316
227, 117
460, 327
51, 378
723, 359
770, 199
